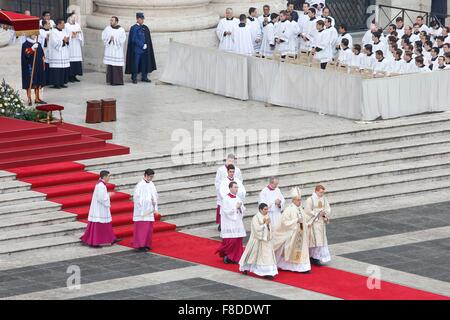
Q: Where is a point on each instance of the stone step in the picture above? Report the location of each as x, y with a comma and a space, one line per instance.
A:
293, 152
41, 245
8, 199
41, 232
36, 220
29, 208
389, 128
6, 176
372, 206
297, 166
333, 186
353, 197
14, 186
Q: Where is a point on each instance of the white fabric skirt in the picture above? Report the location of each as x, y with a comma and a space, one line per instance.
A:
260, 270
320, 253
289, 266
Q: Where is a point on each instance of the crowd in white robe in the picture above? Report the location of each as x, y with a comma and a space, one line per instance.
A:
399, 49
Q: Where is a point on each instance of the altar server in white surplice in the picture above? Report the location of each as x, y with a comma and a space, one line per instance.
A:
58, 56
381, 63
321, 46
317, 216
225, 30
283, 33
345, 55
259, 256
99, 230
224, 189
145, 198
268, 40
291, 237
76, 44
255, 27
114, 38
294, 41
242, 38
272, 196
233, 230
308, 30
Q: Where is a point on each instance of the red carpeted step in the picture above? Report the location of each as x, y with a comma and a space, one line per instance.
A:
158, 227
71, 189
51, 147
46, 169
85, 199
88, 153
116, 208
15, 128
47, 137
61, 179
89, 132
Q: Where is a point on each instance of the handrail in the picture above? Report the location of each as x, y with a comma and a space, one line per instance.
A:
428, 16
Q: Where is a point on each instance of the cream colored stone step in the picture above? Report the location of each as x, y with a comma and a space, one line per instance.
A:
12, 222
43, 245
8, 199
41, 232
29, 208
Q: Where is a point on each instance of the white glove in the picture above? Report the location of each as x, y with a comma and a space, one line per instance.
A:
35, 46
145, 46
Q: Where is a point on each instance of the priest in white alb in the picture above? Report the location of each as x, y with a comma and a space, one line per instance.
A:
272, 196
99, 230
242, 38
290, 240
255, 27
317, 212
145, 198
233, 231
114, 38
58, 56
258, 256
222, 173
76, 44
225, 31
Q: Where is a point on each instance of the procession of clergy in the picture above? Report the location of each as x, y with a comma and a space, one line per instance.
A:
54, 57
283, 236
404, 49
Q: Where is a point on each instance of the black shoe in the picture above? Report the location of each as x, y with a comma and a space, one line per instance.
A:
95, 247
64, 86
116, 241
269, 277
225, 260
245, 272
56, 87
306, 272
315, 262
71, 80
146, 80
134, 81
144, 249
75, 79
40, 102
218, 228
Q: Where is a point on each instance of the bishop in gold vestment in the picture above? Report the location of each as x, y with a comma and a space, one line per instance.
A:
317, 211
291, 237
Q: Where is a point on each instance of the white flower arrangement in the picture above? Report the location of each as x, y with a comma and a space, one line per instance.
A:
11, 104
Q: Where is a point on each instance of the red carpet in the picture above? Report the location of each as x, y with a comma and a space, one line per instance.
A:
326, 280
68, 184
26, 143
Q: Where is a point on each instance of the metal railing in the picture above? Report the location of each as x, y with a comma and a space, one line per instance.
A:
390, 14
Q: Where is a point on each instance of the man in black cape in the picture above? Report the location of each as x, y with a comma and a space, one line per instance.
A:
33, 65
140, 55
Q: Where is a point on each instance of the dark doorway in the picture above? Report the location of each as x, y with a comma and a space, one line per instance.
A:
353, 13
56, 7
439, 10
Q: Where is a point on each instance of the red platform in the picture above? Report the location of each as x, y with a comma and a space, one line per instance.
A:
26, 143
